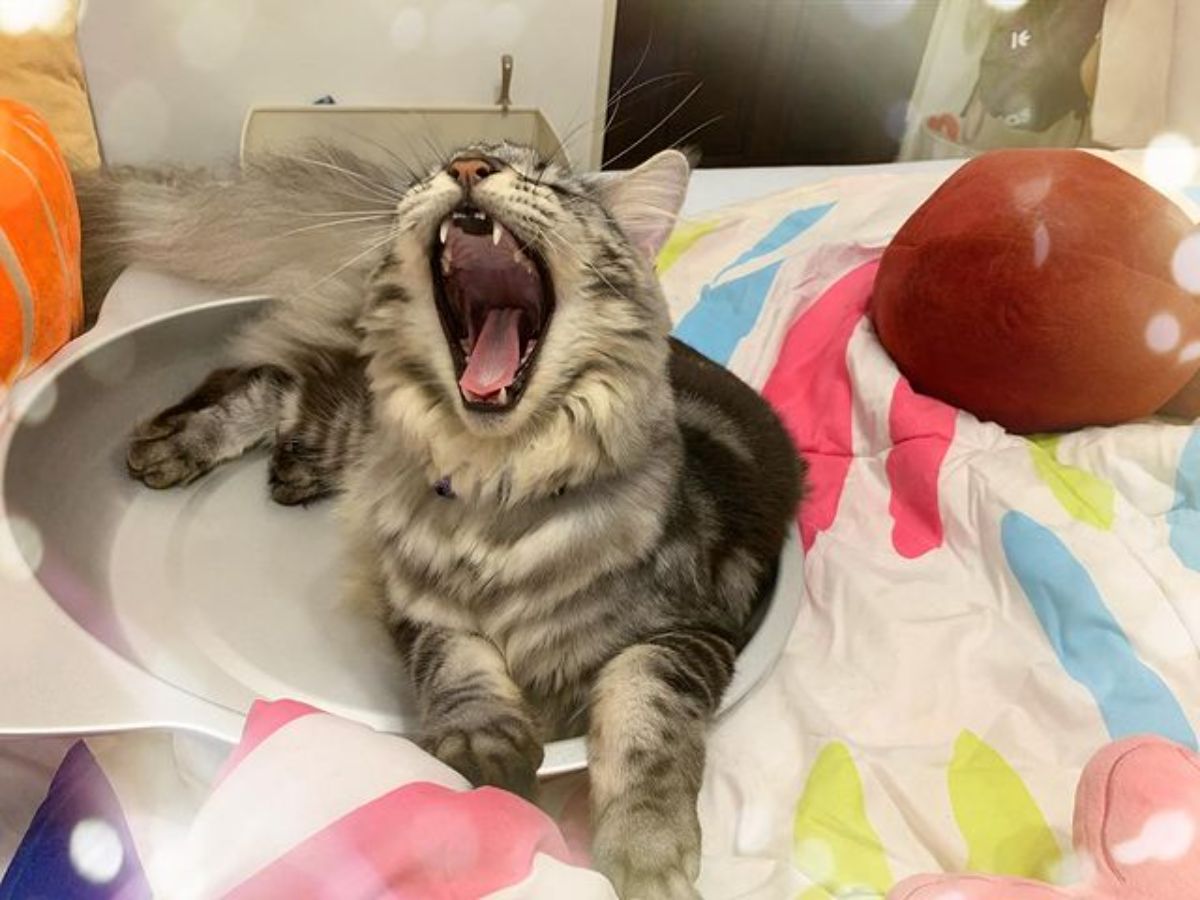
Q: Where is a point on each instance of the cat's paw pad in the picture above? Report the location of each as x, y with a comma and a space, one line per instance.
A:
649, 849
504, 753
169, 450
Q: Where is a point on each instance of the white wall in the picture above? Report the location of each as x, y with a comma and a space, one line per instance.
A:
172, 79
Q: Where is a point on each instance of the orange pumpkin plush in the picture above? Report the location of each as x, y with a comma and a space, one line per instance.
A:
41, 304
1045, 290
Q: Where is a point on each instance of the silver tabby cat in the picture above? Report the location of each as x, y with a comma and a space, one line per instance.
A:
569, 519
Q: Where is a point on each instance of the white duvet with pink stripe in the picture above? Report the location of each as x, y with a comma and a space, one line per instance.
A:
311, 805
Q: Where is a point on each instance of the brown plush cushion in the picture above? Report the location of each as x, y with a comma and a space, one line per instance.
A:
42, 69
1035, 289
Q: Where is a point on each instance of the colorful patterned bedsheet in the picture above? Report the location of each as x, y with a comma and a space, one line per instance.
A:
983, 611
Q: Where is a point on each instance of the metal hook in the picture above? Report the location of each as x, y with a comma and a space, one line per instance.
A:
506, 70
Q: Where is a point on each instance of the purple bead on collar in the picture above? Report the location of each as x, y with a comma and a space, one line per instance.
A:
443, 489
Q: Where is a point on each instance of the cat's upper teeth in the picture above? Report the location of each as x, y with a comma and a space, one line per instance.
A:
497, 232
445, 230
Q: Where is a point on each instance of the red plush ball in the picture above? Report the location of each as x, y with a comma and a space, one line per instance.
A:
1035, 289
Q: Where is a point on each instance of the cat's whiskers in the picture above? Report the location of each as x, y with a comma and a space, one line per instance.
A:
615, 102
374, 246
359, 221
661, 122
611, 109
392, 154
561, 244
379, 191
346, 212
680, 140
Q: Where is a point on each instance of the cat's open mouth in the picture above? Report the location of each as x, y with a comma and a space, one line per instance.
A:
495, 301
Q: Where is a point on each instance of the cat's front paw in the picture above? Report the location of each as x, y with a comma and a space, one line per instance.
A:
170, 449
649, 848
503, 752
297, 475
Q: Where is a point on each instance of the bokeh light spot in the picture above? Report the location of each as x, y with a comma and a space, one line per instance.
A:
1170, 161
1165, 837
1041, 244
96, 851
1074, 868
22, 16
814, 858
408, 29
1028, 194
21, 548
1190, 352
895, 120
38, 409
1163, 332
1185, 263
112, 364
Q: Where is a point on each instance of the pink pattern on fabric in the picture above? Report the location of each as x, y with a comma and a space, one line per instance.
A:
922, 430
421, 841
810, 389
264, 719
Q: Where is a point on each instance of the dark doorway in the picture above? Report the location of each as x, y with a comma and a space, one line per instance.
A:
777, 82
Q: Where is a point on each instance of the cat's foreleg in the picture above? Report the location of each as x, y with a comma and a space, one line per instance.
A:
474, 718
230, 412
650, 710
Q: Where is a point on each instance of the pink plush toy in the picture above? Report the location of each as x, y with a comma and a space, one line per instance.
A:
1137, 833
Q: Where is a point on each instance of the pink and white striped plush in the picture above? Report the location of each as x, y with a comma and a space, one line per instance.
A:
313, 806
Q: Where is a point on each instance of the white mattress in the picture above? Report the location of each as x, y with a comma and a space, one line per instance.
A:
714, 188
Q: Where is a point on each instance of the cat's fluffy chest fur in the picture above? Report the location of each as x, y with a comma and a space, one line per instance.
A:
522, 545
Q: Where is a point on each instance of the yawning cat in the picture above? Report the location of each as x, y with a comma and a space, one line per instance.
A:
568, 519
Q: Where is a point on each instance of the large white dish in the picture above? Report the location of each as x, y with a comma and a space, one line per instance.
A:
132, 608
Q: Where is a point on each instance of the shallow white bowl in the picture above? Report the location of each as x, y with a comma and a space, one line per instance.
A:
195, 601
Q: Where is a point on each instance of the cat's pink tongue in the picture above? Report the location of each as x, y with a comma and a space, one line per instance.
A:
496, 356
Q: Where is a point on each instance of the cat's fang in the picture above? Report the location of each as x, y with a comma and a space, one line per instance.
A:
497, 233
445, 230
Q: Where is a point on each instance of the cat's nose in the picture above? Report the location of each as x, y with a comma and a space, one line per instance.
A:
468, 172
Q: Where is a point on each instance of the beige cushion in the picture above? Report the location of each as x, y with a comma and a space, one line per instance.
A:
41, 68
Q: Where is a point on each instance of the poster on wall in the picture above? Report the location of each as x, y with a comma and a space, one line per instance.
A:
1055, 73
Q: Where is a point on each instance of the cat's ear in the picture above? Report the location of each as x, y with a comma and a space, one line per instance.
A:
645, 201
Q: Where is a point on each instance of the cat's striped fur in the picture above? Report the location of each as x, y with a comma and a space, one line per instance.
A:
590, 560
